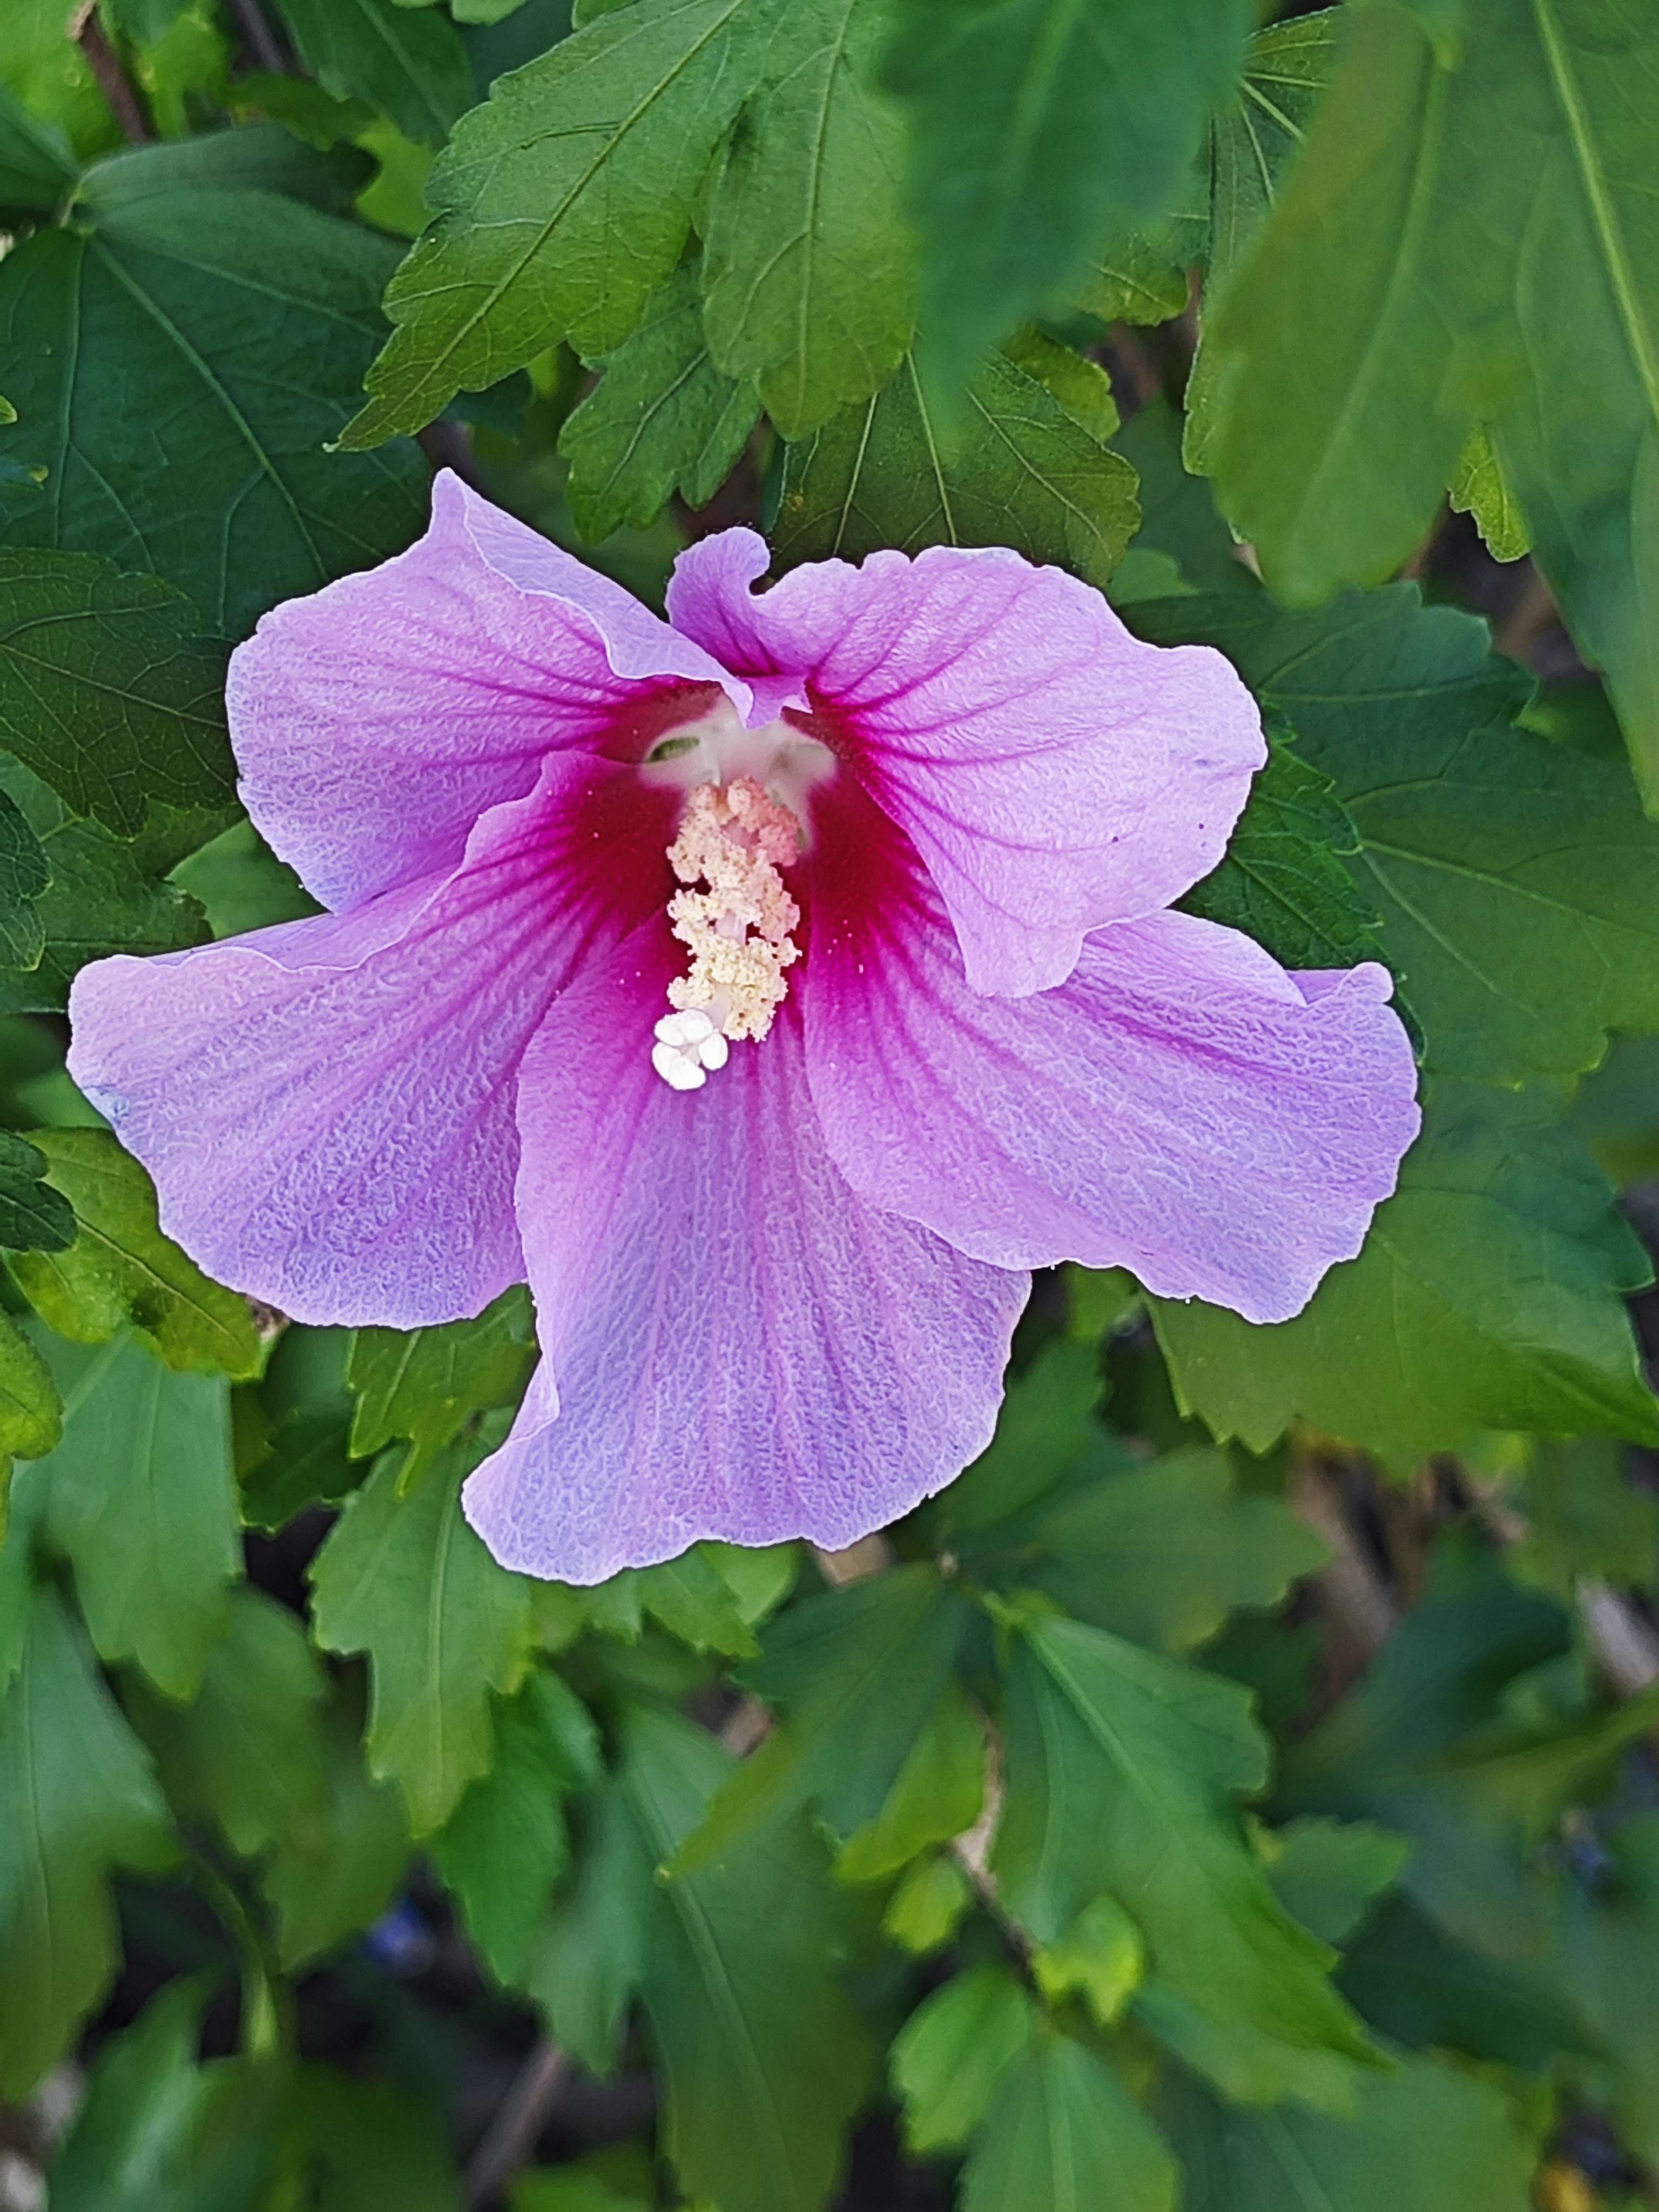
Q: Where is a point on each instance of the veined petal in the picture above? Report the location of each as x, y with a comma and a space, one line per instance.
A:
327, 1108
734, 1345
1054, 773
1180, 1106
375, 720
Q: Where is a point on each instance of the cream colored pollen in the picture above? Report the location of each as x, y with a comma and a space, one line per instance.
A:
735, 915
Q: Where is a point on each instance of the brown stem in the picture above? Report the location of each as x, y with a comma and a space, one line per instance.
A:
112, 78
259, 37
511, 2135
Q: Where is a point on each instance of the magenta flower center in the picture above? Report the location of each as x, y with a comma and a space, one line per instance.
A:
744, 821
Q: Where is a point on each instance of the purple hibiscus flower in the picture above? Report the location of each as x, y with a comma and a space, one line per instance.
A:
773, 986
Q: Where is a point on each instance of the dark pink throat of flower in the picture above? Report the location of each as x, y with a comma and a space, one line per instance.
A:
744, 821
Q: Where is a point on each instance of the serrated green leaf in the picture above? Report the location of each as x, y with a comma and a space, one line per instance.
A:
31, 1413
938, 1793
1082, 386
33, 1216
1101, 1958
1479, 488
1062, 2129
927, 1904
1254, 139
584, 1966
507, 1842
950, 2055
765, 2058
860, 1670
326, 1883
1038, 127
406, 1580
121, 1269
426, 1384
661, 419
77, 1799
36, 165
1466, 239
407, 66
694, 1601
252, 157
53, 83
1286, 878
1178, 511
807, 262
1584, 1517
106, 691
1426, 2135
25, 873
1518, 879
607, 137
1022, 473
1327, 1874
1122, 1768
141, 1502
306, 1463
248, 1753
1489, 1294
130, 2144
246, 321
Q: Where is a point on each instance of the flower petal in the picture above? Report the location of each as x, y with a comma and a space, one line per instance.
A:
1054, 773
734, 1345
375, 720
1180, 1106
327, 1108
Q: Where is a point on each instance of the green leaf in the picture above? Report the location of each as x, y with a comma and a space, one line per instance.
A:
1038, 127
1022, 473
326, 1881
121, 1269
807, 259
105, 894
1063, 2129
31, 1416
36, 167
1101, 1958
130, 2144
246, 321
583, 1968
1478, 488
1326, 1874
409, 66
253, 156
1518, 879
141, 1502
1601, 1958
1426, 2135
25, 873
33, 1216
661, 419
248, 1753
950, 2055
860, 1670
1255, 137
765, 2059
1178, 510
77, 1799
1489, 1294
1121, 1767
1584, 1517
406, 1580
505, 1844
426, 1384
53, 80
1466, 240
693, 1601
1285, 879
106, 693
937, 1793
305, 1462
927, 1904
609, 135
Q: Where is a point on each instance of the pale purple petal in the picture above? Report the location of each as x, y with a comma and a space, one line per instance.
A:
1180, 1106
1054, 773
376, 719
327, 1108
734, 1345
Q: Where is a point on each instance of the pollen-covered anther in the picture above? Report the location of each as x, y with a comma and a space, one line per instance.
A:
734, 918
